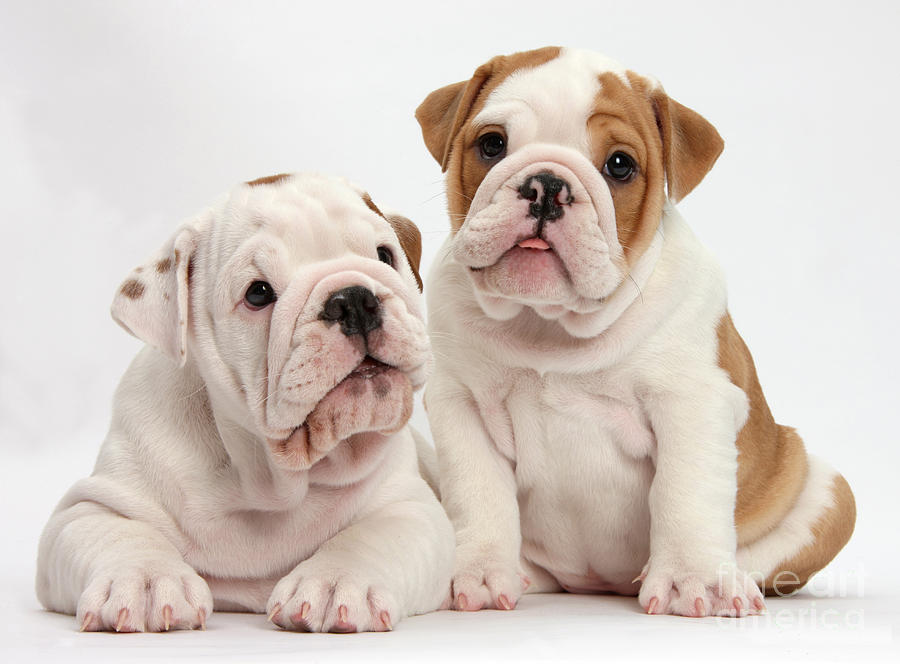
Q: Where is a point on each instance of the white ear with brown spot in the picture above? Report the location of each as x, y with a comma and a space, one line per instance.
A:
444, 111
152, 303
691, 145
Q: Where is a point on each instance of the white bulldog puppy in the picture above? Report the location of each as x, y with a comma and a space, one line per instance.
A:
596, 415
258, 457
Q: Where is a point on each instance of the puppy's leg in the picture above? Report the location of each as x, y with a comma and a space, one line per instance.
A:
693, 569
810, 535
116, 573
427, 457
478, 490
393, 562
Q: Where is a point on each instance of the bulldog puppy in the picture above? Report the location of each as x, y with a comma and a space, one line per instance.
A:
597, 416
258, 458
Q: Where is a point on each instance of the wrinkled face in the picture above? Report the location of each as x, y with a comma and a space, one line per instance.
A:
557, 162
305, 318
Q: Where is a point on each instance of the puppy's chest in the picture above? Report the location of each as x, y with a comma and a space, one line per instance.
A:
583, 454
531, 417
244, 542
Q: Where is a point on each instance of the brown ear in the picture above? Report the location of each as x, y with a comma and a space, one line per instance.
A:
691, 145
410, 241
445, 110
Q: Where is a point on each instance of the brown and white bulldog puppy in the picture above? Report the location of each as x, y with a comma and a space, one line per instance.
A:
258, 457
597, 416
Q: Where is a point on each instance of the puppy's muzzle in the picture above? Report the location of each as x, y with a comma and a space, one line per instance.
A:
356, 308
548, 194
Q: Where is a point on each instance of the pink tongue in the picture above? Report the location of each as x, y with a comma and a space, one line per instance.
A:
534, 243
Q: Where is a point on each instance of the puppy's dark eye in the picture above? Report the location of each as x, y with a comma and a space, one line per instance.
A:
492, 145
385, 255
619, 166
259, 295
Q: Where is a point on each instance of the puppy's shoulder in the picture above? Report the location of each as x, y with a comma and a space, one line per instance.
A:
162, 408
687, 300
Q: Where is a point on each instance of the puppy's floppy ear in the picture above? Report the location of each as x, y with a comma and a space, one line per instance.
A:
152, 303
445, 110
410, 241
691, 145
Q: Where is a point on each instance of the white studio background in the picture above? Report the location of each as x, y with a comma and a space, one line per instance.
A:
119, 119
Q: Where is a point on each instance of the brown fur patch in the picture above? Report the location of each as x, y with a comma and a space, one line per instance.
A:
772, 462
132, 289
164, 265
832, 530
269, 179
772, 471
624, 121
371, 204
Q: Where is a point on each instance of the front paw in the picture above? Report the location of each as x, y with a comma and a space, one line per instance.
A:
486, 582
157, 597
312, 599
725, 592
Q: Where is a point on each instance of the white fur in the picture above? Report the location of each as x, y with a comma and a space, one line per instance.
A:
541, 118
188, 505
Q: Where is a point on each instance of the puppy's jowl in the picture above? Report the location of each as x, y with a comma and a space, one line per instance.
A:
258, 458
597, 416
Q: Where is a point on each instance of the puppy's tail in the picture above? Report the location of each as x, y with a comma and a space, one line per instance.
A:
428, 467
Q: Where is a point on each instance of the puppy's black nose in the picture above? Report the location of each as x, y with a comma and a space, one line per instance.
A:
356, 308
548, 194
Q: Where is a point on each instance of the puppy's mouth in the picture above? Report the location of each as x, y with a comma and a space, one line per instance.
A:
531, 272
527, 264
368, 374
369, 368
373, 397
533, 246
